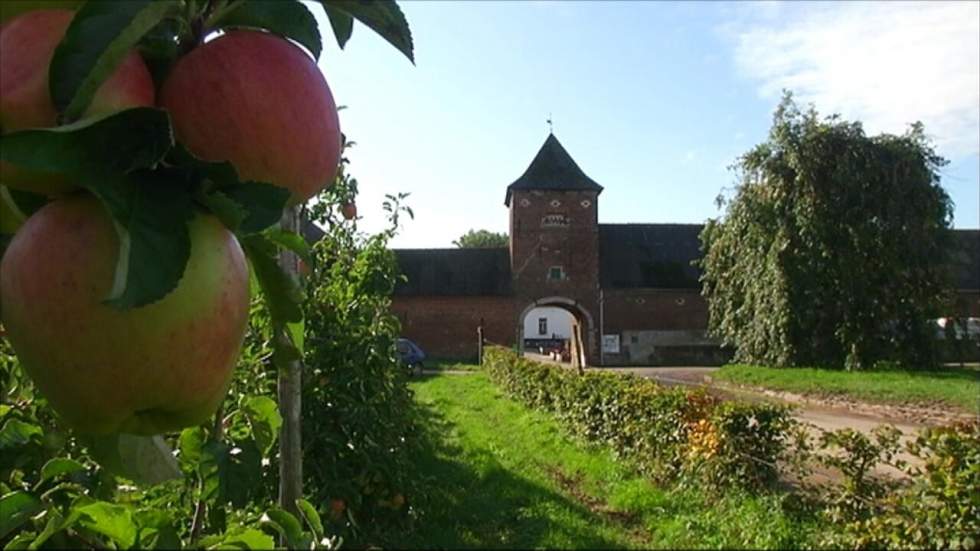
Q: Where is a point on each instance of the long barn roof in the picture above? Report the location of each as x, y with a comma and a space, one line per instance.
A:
630, 256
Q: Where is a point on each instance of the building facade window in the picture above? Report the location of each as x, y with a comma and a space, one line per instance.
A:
556, 273
542, 326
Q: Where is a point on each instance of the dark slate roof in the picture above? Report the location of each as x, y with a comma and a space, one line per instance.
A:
966, 259
649, 255
660, 255
454, 272
553, 169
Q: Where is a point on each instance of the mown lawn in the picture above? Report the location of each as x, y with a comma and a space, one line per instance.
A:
503, 476
952, 386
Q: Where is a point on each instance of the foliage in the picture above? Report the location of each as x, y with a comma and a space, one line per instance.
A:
54, 489
65, 490
482, 239
505, 475
938, 508
359, 422
884, 383
833, 250
665, 431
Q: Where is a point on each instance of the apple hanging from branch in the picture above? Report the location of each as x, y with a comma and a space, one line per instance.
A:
260, 102
27, 43
145, 370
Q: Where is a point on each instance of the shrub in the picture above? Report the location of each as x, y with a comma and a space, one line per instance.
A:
938, 508
360, 428
666, 432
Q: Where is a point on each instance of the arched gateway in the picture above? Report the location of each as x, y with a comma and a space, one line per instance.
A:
583, 331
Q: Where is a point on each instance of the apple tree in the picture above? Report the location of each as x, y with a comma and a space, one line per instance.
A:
148, 151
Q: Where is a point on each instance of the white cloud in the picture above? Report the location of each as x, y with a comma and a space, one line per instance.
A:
885, 63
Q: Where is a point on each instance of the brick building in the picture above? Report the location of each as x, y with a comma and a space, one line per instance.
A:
631, 288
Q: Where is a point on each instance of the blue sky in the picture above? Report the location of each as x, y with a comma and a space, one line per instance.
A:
653, 99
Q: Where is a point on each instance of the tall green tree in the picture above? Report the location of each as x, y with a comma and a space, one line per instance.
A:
476, 239
834, 248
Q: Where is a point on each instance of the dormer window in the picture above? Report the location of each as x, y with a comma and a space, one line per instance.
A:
556, 273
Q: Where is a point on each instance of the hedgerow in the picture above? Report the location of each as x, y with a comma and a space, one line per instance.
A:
683, 437
666, 432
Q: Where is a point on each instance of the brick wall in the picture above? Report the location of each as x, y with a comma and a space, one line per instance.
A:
445, 327
654, 309
557, 228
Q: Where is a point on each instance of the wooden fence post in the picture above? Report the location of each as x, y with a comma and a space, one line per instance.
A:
479, 343
290, 397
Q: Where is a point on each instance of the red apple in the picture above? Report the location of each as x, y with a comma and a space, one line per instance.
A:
145, 370
349, 210
260, 102
27, 43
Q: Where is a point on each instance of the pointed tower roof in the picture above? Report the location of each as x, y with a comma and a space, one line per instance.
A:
553, 169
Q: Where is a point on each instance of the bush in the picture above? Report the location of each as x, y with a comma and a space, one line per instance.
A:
939, 507
360, 428
666, 432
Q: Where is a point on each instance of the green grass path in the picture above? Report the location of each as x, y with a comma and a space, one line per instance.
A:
950, 386
502, 476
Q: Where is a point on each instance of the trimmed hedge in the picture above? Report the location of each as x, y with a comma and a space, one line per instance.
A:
667, 432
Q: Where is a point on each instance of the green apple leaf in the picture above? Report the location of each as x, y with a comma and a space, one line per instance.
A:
341, 22
283, 296
56, 523
111, 520
286, 18
225, 208
288, 527
17, 508
280, 290
247, 538
291, 241
60, 466
248, 207
213, 174
263, 416
100, 36
190, 443
312, 518
156, 529
146, 460
263, 204
154, 243
244, 207
125, 141
382, 16
16, 433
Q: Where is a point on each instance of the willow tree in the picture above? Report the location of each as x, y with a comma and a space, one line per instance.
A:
833, 249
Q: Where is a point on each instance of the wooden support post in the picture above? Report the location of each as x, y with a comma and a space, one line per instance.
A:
290, 397
479, 343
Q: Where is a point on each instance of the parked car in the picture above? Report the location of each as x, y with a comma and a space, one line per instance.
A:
411, 355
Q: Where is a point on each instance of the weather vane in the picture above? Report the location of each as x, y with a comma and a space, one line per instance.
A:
551, 128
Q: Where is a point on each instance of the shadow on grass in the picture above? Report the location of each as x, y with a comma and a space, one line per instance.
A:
474, 502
